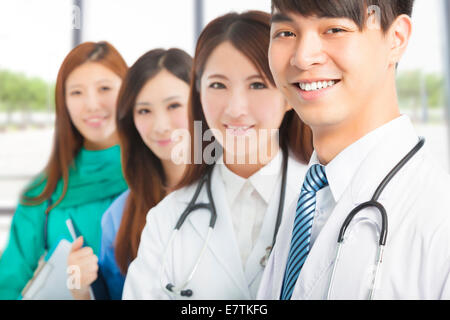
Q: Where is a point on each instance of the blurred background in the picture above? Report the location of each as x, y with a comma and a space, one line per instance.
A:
36, 35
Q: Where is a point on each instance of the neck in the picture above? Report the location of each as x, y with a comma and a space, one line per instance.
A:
242, 166
173, 172
101, 145
331, 140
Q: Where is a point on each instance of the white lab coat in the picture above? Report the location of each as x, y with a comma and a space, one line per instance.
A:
220, 274
416, 262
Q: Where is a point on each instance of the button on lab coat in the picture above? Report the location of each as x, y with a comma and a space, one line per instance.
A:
416, 263
220, 274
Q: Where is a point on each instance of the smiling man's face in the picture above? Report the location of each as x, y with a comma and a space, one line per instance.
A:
329, 70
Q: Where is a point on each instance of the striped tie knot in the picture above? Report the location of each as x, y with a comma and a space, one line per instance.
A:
315, 180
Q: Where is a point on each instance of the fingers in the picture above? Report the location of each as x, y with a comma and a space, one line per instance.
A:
81, 253
77, 244
85, 261
87, 278
83, 257
86, 266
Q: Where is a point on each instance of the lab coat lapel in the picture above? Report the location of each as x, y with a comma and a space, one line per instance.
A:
253, 265
320, 259
280, 254
222, 242
277, 262
293, 183
316, 271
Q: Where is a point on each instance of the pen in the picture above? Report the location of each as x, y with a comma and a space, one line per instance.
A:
69, 225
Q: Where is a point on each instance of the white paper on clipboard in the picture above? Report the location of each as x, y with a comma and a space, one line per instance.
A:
50, 282
50, 279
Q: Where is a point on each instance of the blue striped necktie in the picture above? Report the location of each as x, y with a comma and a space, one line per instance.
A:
315, 180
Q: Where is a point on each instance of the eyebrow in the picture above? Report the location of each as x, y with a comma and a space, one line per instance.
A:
148, 104
218, 76
255, 76
171, 98
80, 85
280, 17
103, 80
143, 103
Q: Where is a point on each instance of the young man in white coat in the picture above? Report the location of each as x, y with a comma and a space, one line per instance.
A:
335, 62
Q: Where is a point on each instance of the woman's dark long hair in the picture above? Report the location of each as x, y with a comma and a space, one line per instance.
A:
249, 33
67, 140
143, 170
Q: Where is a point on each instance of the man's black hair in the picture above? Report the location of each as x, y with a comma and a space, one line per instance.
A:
356, 10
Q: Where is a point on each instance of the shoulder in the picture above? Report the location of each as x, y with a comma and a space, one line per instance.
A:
432, 207
36, 186
119, 202
172, 206
430, 196
162, 218
437, 187
115, 211
31, 212
433, 181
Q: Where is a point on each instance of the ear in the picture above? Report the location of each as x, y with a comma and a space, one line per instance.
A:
399, 35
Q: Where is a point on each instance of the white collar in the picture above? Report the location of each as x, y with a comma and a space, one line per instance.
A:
341, 170
263, 181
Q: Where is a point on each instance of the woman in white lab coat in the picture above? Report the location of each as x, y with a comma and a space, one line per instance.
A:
235, 111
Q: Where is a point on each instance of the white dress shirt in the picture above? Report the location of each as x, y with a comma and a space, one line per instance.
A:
340, 172
248, 200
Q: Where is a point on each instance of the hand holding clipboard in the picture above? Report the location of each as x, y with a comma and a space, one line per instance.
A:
50, 280
84, 263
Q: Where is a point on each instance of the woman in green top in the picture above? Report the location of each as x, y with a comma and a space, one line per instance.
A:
84, 173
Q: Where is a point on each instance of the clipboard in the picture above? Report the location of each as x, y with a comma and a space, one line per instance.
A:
50, 279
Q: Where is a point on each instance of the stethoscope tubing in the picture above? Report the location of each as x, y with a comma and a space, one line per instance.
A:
192, 206
384, 220
170, 288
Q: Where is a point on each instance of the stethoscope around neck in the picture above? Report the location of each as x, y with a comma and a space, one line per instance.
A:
372, 203
192, 206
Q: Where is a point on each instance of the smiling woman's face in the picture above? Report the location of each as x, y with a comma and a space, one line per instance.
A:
160, 109
239, 103
91, 95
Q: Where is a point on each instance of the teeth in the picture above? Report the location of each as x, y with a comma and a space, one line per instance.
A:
94, 120
238, 128
318, 85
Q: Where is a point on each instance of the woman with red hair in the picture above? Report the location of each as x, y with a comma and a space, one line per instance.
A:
84, 173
